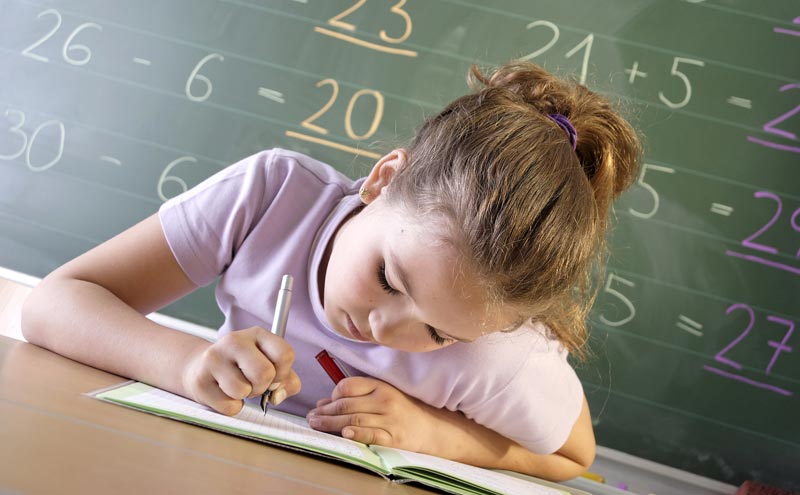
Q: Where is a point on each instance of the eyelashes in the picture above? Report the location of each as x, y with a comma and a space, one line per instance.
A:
435, 336
382, 279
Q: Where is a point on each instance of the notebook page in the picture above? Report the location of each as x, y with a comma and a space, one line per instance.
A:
275, 426
409, 463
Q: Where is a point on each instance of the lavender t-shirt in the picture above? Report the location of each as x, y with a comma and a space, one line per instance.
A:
274, 213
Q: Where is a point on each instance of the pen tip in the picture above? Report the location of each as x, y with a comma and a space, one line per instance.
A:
265, 401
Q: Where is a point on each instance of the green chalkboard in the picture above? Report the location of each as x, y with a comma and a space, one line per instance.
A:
109, 107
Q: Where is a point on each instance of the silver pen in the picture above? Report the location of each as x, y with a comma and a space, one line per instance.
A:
279, 322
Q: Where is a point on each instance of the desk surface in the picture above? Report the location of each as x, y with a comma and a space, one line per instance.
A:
54, 439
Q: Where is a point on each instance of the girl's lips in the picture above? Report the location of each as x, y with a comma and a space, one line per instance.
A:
351, 327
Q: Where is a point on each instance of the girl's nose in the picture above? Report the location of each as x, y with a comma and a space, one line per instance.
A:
390, 323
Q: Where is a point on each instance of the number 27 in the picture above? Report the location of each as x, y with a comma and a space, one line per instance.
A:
779, 346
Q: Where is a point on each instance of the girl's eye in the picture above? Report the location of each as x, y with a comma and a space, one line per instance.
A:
391, 290
382, 279
436, 337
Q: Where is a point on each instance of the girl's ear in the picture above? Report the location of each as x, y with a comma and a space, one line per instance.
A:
382, 174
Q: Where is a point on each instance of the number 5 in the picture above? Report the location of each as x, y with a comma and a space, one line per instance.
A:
682, 76
650, 189
627, 302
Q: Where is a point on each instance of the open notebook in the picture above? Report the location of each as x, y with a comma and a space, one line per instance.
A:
290, 431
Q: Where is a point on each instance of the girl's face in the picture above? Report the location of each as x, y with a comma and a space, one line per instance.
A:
390, 280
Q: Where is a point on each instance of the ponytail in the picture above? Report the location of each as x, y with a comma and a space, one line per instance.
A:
527, 201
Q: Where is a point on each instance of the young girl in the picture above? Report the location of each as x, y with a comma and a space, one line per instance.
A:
451, 282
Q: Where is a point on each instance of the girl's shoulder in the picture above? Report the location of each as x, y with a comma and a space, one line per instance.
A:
289, 160
531, 341
525, 389
500, 362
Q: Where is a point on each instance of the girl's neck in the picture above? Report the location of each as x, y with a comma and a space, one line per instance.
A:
323, 263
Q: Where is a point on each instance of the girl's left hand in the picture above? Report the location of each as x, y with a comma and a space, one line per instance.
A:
372, 411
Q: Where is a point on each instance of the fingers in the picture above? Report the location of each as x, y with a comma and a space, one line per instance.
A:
215, 398
356, 410
277, 352
355, 386
372, 436
286, 388
243, 364
369, 411
362, 427
353, 395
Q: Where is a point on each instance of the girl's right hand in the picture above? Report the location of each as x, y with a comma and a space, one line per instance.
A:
240, 365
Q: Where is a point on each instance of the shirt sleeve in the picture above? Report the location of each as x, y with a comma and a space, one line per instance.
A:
539, 405
206, 225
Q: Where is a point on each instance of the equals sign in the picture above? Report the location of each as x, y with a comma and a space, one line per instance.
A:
688, 324
271, 94
740, 102
721, 209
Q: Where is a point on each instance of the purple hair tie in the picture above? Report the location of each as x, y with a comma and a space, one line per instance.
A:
565, 124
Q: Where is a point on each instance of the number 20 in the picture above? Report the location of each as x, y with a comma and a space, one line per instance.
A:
348, 119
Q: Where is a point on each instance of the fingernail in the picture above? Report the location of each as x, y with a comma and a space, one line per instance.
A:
278, 396
275, 386
348, 433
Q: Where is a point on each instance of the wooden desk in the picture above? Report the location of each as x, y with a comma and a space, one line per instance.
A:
12, 295
53, 439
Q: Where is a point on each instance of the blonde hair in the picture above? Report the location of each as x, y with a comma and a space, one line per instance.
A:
527, 211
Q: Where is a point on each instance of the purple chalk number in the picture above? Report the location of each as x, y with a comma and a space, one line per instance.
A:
772, 129
748, 242
779, 346
796, 226
720, 356
794, 222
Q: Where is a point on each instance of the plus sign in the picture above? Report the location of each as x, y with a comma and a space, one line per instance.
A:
634, 72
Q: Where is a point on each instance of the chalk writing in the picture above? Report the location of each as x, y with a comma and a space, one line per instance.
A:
26, 144
69, 47
749, 242
397, 9
779, 346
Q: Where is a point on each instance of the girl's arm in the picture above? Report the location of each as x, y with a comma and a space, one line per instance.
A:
374, 412
92, 310
483, 447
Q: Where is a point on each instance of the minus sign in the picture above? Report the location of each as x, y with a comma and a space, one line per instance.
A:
110, 159
141, 61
